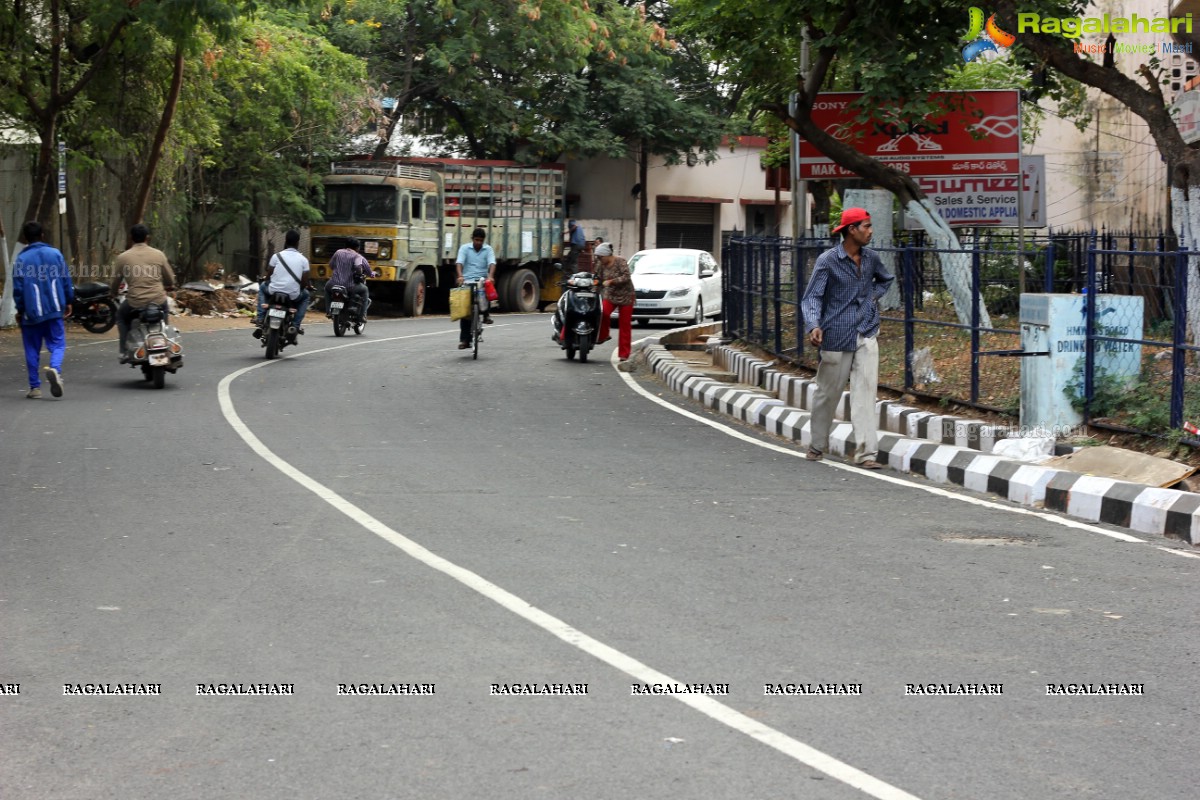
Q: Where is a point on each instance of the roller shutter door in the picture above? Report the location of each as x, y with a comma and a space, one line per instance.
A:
686, 225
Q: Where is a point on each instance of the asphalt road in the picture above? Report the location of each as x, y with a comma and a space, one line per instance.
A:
385, 511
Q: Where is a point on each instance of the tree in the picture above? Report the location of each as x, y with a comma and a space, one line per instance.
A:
765, 44
524, 79
1055, 53
281, 100
53, 49
180, 21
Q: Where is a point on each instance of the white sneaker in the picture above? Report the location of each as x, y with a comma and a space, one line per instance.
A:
55, 380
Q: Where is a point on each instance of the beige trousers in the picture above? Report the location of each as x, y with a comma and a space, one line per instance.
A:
861, 368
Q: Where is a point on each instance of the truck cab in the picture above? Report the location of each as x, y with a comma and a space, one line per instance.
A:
394, 209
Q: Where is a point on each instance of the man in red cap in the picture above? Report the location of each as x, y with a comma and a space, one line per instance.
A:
841, 316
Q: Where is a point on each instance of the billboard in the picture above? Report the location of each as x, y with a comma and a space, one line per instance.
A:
988, 200
980, 138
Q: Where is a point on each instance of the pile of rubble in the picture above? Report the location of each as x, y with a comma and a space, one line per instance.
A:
204, 299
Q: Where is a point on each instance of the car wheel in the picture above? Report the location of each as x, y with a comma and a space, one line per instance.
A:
698, 317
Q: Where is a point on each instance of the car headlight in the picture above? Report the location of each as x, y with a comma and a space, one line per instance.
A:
682, 291
385, 251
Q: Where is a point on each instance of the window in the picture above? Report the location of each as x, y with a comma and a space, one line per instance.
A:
415, 204
405, 207
370, 204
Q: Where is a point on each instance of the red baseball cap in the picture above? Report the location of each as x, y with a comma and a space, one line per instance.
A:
850, 216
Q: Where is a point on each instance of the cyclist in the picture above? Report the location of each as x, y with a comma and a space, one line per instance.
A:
476, 261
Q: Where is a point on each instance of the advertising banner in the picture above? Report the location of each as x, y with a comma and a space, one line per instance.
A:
988, 201
978, 137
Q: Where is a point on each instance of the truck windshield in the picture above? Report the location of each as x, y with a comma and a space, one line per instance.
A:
360, 204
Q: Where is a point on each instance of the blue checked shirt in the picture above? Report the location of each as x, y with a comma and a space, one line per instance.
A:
840, 301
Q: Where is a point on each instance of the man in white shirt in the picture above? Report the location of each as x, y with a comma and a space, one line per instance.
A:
288, 274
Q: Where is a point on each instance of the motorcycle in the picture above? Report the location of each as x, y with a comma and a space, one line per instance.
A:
154, 346
93, 308
345, 309
279, 329
576, 319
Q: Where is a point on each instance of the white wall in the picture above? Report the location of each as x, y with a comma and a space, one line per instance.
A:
606, 205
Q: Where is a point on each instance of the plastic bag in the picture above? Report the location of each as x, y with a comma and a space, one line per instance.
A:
460, 303
489, 291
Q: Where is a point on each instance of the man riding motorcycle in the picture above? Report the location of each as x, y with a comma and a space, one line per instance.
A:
350, 268
287, 274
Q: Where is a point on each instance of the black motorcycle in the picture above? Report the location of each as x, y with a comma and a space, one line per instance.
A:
279, 324
345, 309
93, 308
577, 318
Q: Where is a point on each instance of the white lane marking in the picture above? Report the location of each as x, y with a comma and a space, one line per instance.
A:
719, 712
1178, 552
1069, 523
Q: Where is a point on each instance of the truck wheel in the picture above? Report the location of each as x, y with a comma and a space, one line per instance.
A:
503, 287
414, 294
524, 291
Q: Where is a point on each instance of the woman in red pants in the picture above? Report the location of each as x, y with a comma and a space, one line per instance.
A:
616, 287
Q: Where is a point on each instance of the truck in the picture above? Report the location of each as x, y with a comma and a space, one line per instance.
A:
413, 214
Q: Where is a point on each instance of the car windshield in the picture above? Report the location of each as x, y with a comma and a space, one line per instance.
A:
664, 264
360, 204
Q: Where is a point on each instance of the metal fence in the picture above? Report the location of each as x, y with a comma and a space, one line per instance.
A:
926, 351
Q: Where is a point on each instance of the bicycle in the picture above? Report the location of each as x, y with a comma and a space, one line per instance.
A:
479, 303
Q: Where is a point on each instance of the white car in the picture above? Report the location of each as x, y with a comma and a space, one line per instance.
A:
675, 284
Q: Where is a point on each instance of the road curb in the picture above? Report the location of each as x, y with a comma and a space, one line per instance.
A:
942, 448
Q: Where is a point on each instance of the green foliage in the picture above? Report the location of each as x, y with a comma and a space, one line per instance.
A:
1108, 395
1008, 72
278, 103
531, 80
761, 43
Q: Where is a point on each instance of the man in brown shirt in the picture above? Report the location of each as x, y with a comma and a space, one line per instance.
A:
147, 276
616, 287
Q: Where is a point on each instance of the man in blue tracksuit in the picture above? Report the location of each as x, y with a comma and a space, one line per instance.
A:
42, 293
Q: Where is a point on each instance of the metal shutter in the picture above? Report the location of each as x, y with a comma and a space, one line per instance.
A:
686, 225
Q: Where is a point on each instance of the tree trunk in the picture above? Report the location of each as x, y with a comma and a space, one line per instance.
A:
41, 199
138, 210
8, 309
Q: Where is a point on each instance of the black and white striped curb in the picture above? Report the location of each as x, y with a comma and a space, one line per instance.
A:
942, 448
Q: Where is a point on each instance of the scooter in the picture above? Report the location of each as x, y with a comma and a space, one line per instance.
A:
577, 317
154, 346
345, 309
93, 308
